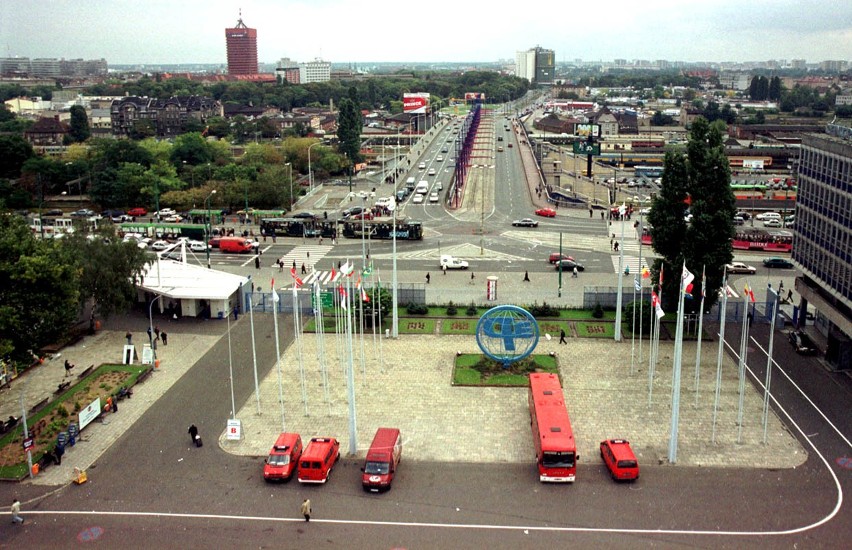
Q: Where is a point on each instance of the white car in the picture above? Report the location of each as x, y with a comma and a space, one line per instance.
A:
765, 215
772, 223
431, 172
417, 199
174, 218
434, 197
160, 245
451, 262
739, 267
440, 158
166, 212
384, 202
198, 246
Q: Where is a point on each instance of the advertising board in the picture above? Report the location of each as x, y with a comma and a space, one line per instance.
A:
415, 103
473, 96
586, 130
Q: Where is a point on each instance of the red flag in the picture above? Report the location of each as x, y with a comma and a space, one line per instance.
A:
654, 299
661, 275
364, 296
297, 281
333, 273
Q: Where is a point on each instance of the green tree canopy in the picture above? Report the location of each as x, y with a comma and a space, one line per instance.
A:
349, 125
79, 124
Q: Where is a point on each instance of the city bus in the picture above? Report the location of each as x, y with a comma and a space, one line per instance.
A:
750, 238
555, 448
168, 231
383, 228
298, 227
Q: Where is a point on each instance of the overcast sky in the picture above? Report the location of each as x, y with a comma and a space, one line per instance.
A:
343, 31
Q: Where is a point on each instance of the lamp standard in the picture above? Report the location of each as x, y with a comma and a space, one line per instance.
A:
310, 174
289, 166
207, 205
151, 325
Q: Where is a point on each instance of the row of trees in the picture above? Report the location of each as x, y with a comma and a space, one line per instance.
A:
762, 88
48, 283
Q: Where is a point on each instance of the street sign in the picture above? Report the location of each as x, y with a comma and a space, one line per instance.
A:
29, 443
586, 148
234, 430
326, 299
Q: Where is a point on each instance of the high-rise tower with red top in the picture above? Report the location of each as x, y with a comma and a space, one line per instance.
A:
242, 49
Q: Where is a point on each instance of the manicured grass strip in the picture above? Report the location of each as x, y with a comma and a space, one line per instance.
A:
458, 326
508, 380
553, 327
467, 376
469, 371
595, 330
410, 325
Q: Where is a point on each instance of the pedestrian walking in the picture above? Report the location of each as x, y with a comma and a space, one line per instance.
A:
165, 338
114, 405
257, 262
612, 244
790, 295
574, 273
562, 339
591, 213
236, 313
129, 337
303, 268
472, 277
273, 238
444, 268
602, 215
294, 264
615, 246
526, 276
306, 509
280, 265
150, 332
58, 451
428, 278
68, 367
780, 287
156, 333
16, 511
320, 240
193, 432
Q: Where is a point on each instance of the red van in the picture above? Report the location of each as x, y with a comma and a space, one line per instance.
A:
318, 458
283, 458
619, 459
382, 460
236, 245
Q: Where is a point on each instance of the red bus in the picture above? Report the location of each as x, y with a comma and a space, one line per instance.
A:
555, 451
767, 240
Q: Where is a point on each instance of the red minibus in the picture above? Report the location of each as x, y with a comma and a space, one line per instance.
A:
555, 449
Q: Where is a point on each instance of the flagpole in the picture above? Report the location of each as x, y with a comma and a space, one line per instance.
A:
621, 211
297, 330
633, 326
685, 279
381, 347
394, 284
350, 376
275, 300
641, 276
768, 382
254, 350
700, 329
720, 351
321, 340
742, 364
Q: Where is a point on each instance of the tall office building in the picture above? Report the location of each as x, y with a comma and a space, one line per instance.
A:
537, 65
241, 42
822, 246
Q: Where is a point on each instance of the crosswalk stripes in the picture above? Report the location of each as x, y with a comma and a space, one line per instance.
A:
630, 262
308, 255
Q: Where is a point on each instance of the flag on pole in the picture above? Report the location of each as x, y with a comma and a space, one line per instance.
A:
686, 282
347, 269
661, 276
654, 299
703, 282
748, 292
343, 297
637, 283
274, 294
364, 296
297, 281
368, 270
333, 273
646, 273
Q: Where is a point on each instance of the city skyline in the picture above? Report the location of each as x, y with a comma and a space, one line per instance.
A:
340, 31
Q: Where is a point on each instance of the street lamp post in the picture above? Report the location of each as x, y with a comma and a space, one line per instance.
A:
207, 239
310, 174
151, 326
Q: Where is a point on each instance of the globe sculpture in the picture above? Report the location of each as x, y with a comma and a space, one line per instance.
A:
507, 334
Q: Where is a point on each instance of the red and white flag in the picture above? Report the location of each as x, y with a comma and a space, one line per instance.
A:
748, 292
297, 282
343, 297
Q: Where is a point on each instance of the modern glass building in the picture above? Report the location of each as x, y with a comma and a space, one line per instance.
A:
822, 246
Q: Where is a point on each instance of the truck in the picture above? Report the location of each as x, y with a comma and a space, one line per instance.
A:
382, 460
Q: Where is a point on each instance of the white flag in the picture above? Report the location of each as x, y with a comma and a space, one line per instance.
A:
637, 283
686, 278
660, 313
274, 294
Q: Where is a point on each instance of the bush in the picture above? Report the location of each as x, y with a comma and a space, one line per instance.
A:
543, 310
471, 310
451, 309
598, 312
416, 309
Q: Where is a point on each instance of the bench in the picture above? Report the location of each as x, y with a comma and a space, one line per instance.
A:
40, 405
61, 387
85, 372
144, 375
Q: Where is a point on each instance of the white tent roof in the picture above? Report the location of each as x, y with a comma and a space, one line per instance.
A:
187, 281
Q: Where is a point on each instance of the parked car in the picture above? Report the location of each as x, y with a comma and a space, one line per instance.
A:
418, 199
198, 246
83, 213
160, 245
214, 242
283, 459
772, 223
802, 343
310, 215
164, 212
569, 265
780, 263
739, 267
137, 212
433, 197
54, 212
453, 263
556, 256
525, 222
546, 212
174, 218
619, 459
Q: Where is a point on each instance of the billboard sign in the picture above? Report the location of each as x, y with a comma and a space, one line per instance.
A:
587, 130
756, 164
474, 96
415, 103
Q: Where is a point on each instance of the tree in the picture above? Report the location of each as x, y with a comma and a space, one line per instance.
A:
775, 88
14, 152
79, 125
39, 301
705, 243
191, 149
349, 125
108, 269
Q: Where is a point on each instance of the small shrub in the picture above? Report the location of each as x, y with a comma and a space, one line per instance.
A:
451, 309
77, 407
598, 312
543, 310
62, 411
416, 309
471, 310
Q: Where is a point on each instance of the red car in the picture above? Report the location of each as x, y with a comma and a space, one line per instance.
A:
137, 212
546, 212
619, 459
556, 257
